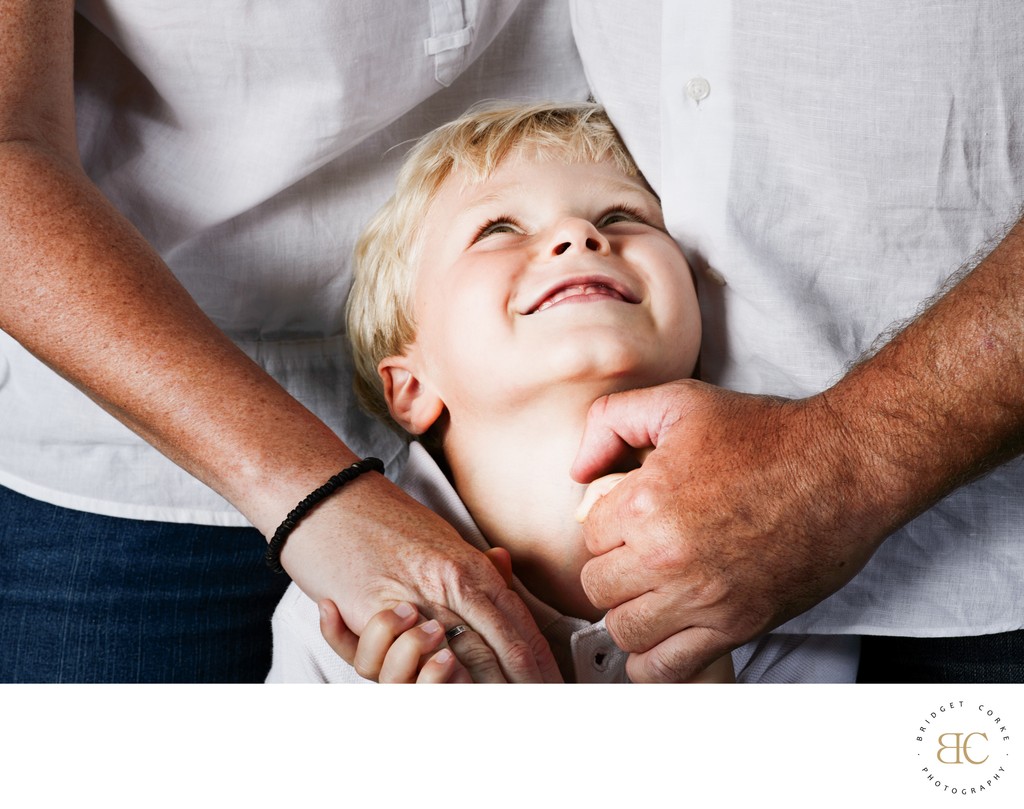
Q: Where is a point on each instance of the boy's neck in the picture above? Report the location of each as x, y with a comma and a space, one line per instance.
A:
511, 469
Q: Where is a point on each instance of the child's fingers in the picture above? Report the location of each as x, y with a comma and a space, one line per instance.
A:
408, 652
338, 636
378, 635
595, 491
443, 667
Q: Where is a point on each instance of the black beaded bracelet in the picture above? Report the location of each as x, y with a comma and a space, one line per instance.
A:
273, 555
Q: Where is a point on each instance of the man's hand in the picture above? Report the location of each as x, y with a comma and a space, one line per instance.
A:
752, 509
742, 517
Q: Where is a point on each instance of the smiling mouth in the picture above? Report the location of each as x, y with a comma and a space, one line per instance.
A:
580, 293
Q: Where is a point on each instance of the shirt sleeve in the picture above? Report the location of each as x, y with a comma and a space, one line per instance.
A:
798, 659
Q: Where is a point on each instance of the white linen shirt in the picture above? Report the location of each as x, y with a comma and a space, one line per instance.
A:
249, 142
825, 167
585, 650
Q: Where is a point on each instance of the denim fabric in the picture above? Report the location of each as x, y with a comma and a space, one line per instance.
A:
92, 599
997, 658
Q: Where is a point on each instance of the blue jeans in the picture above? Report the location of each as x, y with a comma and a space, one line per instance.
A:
92, 599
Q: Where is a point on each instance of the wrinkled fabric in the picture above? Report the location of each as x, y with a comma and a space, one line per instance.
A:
825, 167
250, 145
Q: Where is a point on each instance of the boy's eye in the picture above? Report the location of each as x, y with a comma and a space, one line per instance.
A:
620, 215
496, 226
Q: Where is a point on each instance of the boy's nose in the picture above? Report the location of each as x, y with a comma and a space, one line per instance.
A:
578, 234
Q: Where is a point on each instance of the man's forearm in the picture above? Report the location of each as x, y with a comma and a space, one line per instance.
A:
943, 401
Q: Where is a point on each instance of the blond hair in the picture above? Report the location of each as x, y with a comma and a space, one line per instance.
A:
379, 311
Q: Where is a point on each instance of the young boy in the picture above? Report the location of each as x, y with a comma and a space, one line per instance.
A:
521, 271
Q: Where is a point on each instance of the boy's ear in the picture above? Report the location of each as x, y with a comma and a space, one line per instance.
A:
413, 403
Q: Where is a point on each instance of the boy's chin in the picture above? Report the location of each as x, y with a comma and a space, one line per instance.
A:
610, 373
582, 371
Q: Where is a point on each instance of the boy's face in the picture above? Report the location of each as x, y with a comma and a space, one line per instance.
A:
548, 273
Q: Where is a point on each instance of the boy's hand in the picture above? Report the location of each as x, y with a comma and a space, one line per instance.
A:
595, 491
399, 550
397, 646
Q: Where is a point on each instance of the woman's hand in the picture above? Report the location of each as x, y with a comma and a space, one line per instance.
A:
86, 294
399, 645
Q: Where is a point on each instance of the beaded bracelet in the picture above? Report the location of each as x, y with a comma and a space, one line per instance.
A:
273, 555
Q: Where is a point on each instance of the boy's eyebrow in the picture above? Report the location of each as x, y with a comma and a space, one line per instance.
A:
637, 186
605, 185
482, 202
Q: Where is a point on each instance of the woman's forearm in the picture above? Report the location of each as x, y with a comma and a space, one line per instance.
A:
84, 292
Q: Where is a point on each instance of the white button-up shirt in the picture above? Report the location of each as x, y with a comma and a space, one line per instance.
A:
826, 166
250, 142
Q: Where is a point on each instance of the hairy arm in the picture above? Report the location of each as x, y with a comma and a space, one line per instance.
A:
751, 509
943, 401
83, 291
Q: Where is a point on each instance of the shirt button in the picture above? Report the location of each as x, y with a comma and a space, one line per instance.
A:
698, 88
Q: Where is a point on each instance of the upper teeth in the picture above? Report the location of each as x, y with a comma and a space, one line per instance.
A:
578, 289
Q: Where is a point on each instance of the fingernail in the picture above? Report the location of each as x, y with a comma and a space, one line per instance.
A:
443, 656
323, 611
431, 627
404, 610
